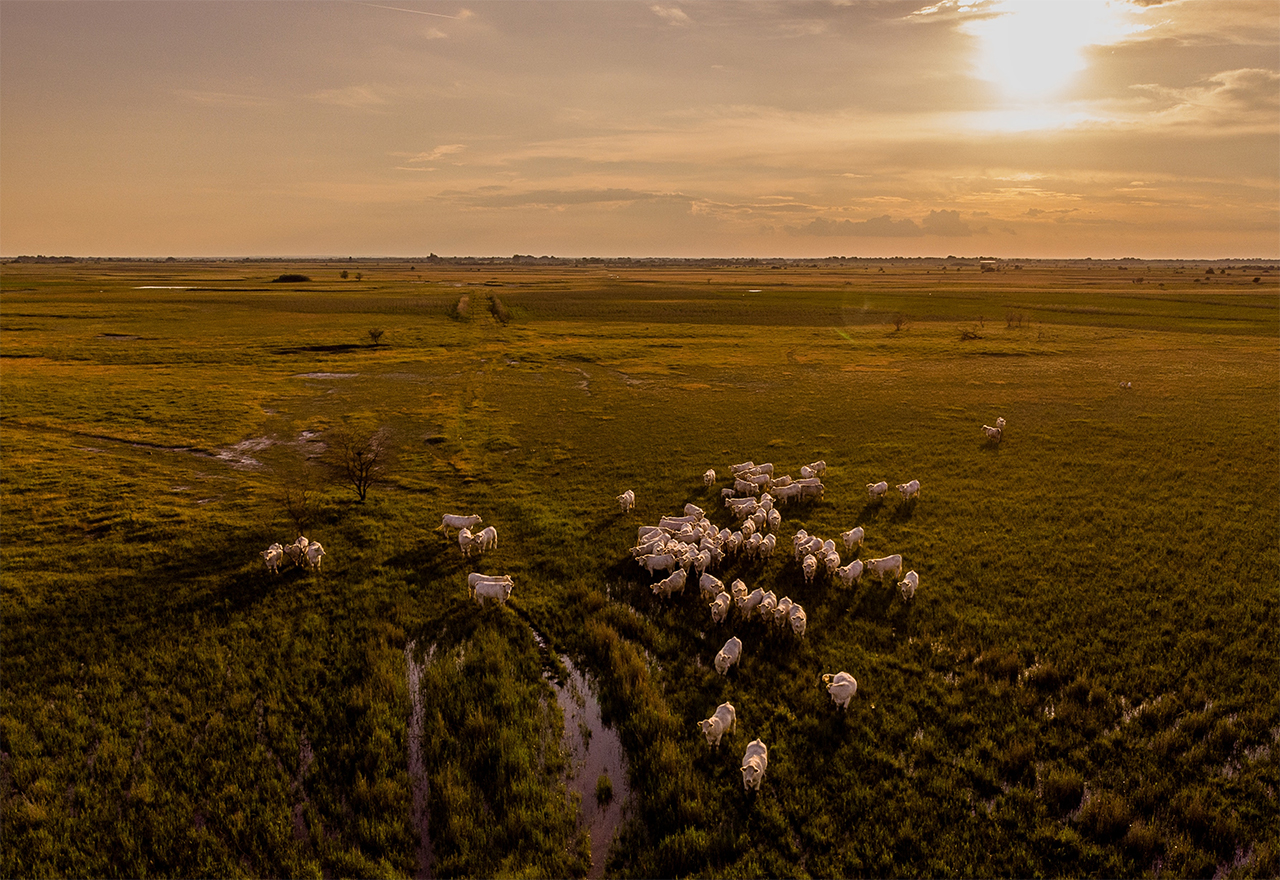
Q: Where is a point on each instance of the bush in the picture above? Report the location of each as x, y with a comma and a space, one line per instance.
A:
291, 279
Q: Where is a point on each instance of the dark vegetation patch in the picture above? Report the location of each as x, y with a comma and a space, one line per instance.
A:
290, 279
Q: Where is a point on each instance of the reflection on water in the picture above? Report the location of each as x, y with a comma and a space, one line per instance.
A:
595, 751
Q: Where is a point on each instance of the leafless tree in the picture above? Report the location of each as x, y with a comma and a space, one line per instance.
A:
376, 335
360, 458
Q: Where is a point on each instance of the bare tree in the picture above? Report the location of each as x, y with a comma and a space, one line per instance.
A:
376, 335
360, 458
899, 320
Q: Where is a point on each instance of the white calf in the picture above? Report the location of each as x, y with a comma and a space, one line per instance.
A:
842, 686
486, 539
723, 720
273, 556
910, 581
627, 501
467, 542
810, 567
909, 490
876, 490
754, 764
730, 654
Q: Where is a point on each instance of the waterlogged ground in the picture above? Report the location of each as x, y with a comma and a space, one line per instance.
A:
1085, 682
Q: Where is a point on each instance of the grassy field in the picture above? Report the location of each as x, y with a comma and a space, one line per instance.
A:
1086, 683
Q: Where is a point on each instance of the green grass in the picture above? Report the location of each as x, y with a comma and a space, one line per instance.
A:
1086, 682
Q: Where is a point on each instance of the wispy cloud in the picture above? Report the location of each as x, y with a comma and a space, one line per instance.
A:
355, 97
460, 15
222, 99
672, 15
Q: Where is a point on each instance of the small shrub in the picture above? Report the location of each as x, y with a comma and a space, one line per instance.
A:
291, 279
498, 310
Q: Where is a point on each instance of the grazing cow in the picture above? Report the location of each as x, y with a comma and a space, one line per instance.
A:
818, 467
910, 581
754, 764
738, 589
875, 491
786, 493
885, 566
497, 591
842, 686
909, 490
799, 620
745, 487
273, 556
627, 501
296, 553
672, 583
457, 521
852, 538
486, 539
767, 605
709, 478
851, 573
720, 607
809, 567
723, 720
736, 469
730, 654
314, 554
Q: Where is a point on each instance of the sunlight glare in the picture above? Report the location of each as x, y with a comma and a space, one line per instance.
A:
1033, 48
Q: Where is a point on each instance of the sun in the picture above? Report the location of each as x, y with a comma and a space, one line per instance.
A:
1032, 49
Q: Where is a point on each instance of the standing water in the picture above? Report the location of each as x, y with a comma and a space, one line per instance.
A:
597, 763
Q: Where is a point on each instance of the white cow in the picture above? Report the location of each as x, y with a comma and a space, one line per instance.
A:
709, 478
885, 566
831, 561
767, 605
910, 581
736, 469
720, 607
672, 583
658, 562
799, 620
851, 573
723, 720
993, 434
787, 493
754, 764
314, 554
810, 567
296, 553
767, 546
749, 602
467, 542
818, 467
476, 578
486, 539
782, 614
497, 591
876, 490
842, 686
709, 583
730, 654
457, 521
738, 589
273, 556
627, 501
909, 490
773, 518
852, 538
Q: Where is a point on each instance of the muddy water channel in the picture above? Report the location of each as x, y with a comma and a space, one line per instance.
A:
597, 763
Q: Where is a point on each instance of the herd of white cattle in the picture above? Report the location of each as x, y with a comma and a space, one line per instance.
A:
300, 552
689, 544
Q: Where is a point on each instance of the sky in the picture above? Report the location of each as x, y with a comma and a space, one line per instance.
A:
726, 128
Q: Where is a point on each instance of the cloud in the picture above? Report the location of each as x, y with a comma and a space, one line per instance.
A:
222, 99
945, 223
877, 227
672, 15
1243, 96
555, 198
431, 155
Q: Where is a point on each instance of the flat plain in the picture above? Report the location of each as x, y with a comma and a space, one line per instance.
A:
1087, 681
